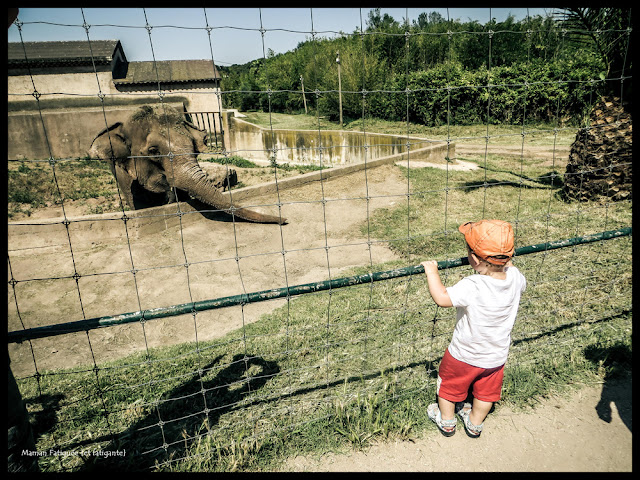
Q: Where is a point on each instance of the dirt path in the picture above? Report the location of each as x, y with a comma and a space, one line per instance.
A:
564, 433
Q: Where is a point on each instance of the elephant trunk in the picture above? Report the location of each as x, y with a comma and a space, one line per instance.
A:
192, 179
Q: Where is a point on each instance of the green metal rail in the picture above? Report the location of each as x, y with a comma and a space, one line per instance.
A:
243, 299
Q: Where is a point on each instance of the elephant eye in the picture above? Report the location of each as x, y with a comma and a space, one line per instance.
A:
153, 151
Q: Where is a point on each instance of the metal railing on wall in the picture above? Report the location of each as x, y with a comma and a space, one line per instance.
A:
211, 122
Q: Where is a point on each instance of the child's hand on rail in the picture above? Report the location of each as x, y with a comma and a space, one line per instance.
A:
430, 266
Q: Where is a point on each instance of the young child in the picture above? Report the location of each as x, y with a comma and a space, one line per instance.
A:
486, 307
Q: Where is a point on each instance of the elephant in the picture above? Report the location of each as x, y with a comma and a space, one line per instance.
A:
153, 156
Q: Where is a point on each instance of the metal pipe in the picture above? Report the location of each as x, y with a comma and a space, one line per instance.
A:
254, 297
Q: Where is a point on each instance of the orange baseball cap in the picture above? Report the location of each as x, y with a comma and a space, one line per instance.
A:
492, 240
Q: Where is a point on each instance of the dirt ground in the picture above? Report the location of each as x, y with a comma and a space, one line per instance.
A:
211, 248
588, 430
321, 239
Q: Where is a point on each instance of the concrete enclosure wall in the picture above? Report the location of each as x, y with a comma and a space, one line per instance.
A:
326, 147
60, 133
68, 133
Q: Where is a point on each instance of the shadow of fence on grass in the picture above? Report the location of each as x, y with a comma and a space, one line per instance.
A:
188, 412
168, 432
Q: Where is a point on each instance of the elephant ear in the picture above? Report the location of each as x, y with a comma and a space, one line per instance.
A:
198, 137
110, 143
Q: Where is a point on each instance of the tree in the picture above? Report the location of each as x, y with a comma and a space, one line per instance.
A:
607, 31
600, 157
383, 23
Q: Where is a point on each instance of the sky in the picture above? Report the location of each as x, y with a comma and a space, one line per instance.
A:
181, 33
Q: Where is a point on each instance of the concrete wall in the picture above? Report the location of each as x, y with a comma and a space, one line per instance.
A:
20, 87
329, 147
68, 133
60, 133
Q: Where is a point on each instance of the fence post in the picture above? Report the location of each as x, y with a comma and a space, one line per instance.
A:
20, 436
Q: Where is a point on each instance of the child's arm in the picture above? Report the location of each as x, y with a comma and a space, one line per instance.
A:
436, 288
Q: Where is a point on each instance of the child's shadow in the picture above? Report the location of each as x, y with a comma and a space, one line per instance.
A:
616, 360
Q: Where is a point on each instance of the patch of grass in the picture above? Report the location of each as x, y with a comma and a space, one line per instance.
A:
285, 121
525, 192
36, 184
329, 372
301, 169
234, 160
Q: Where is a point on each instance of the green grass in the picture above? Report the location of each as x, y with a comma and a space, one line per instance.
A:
234, 160
536, 134
328, 373
240, 162
524, 191
31, 185
333, 371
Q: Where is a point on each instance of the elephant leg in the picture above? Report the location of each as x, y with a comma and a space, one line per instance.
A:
124, 182
171, 195
225, 180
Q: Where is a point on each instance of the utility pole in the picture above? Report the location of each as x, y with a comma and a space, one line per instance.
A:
339, 86
304, 98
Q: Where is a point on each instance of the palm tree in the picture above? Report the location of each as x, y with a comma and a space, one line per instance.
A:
600, 157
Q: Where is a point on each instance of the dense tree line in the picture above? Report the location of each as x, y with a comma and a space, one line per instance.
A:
431, 71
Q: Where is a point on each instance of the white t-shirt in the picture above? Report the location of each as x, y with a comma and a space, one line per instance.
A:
486, 310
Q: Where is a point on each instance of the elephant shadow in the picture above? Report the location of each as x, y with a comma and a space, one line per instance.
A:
616, 389
185, 414
208, 212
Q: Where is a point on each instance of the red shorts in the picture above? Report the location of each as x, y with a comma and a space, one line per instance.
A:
455, 378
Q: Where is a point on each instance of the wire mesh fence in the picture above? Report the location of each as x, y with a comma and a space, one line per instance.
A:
206, 389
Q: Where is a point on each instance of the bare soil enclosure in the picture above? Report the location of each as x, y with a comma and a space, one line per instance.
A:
209, 246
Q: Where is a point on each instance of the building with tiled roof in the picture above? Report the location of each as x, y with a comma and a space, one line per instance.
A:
172, 71
73, 86
42, 57
85, 70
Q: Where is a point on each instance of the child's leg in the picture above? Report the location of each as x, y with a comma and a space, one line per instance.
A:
447, 408
479, 411
489, 387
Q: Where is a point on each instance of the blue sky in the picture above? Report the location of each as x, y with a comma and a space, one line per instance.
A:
180, 33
